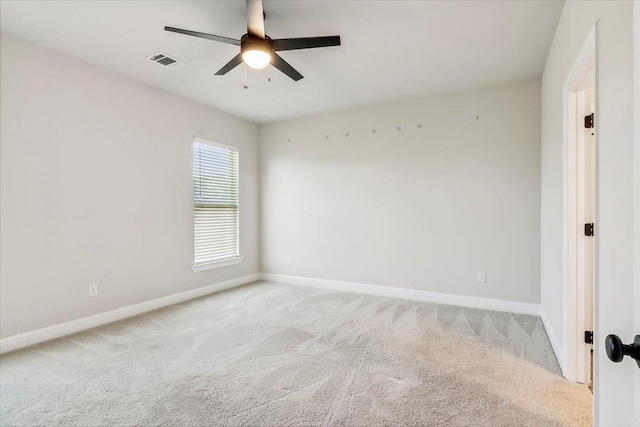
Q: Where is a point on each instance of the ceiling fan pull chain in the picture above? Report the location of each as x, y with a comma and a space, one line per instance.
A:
269, 72
245, 77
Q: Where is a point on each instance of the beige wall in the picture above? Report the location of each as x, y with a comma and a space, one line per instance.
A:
417, 208
614, 176
96, 188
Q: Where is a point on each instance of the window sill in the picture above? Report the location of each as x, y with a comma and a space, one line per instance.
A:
216, 264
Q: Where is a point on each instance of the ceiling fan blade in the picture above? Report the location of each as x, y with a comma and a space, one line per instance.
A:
204, 35
255, 18
237, 60
284, 66
305, 43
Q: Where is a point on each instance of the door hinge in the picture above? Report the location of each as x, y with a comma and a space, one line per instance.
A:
588, 121
588, 337
588, 229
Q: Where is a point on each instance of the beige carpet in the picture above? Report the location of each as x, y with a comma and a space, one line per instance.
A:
266, 355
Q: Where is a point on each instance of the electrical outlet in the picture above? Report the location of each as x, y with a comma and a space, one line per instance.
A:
482, 277
290, 259
93, 290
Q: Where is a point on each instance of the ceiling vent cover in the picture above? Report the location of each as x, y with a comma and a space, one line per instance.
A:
165, 60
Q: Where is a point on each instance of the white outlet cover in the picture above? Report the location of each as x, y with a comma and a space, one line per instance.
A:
482, 278
290, 259
93, 290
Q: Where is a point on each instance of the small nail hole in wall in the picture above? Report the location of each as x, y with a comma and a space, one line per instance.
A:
326, 136
419, 125
373, 131
398, 128
346, 134
477, 117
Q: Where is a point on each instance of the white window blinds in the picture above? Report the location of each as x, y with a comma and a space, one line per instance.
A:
215, 201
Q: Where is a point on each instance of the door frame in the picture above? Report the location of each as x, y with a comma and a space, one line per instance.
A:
583, 74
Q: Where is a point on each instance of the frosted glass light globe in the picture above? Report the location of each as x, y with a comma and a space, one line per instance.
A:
256, 58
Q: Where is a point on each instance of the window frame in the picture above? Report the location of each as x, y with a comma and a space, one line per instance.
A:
215, 263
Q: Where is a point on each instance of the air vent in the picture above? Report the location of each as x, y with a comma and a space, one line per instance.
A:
165, 60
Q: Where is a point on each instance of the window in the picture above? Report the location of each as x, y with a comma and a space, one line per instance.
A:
215, 205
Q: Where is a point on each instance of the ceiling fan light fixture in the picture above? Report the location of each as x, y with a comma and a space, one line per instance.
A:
257, 50
256, 58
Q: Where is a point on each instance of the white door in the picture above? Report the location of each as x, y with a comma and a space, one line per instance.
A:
617, 393
636, 151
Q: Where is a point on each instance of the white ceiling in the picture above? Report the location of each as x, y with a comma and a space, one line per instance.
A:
390, 49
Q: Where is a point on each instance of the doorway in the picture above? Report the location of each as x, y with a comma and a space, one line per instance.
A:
580, 221
582, 224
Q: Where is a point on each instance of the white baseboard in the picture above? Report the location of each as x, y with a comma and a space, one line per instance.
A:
554, 342
56, 331
62, 329
410, 294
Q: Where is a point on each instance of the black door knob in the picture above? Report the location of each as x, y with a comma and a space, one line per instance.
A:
616, 351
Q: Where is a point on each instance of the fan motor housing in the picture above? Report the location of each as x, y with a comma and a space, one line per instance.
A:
250, 42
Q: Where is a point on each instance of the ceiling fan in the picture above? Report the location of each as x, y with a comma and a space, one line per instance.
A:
258, 50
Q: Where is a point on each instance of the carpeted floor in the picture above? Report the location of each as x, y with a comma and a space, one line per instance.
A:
267, 354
